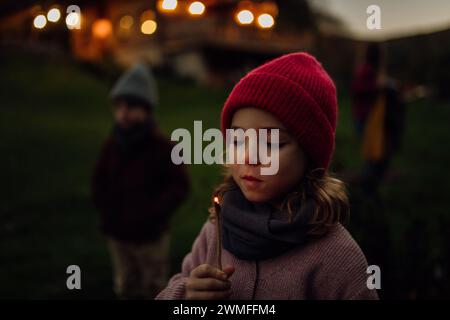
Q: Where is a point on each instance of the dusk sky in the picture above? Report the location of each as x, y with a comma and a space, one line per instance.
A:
398, 17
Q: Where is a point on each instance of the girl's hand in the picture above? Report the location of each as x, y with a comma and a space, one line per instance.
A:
209, 283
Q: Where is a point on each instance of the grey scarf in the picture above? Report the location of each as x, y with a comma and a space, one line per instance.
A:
256, 231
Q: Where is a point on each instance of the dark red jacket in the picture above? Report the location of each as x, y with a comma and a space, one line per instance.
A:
137, 192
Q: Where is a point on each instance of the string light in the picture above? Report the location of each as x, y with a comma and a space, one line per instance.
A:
102, 28
196, 8
167, 5
53, 15
244, 17
265, 21
126, 22
39, 21
73, 20
149, 27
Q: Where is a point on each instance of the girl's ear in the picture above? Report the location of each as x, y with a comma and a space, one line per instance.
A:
316, 172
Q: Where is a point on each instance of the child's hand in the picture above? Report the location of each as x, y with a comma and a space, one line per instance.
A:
209, 283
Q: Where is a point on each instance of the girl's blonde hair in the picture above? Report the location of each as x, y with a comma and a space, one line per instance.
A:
328, 192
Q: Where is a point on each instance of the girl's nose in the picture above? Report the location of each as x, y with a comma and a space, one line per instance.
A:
251, 153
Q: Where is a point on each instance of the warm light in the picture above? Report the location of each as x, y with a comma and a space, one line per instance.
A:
196, 8
53, 15
265, 21
126, 22
244, 17
148, 27
102, 28
167, 5
40, 21
72, 19
216, 199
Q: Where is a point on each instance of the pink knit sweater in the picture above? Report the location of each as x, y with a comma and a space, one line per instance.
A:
332, 267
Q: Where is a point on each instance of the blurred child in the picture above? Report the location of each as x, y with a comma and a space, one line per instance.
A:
281, 234
366, 86
378, 112
136, 188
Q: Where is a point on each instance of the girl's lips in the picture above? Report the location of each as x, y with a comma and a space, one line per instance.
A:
251, 182
250, 178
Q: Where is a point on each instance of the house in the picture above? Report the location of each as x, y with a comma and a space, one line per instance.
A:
211, 41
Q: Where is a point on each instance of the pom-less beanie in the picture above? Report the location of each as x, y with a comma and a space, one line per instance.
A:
298, 91
137, 82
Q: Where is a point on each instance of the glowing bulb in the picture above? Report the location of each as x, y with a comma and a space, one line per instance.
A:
196, 8
53, 15
265, 21
168, 5
126, 22
245, 17
40, 21
148, 27
72, 19
102, 28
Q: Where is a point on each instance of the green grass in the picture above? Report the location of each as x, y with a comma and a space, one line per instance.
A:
54, 118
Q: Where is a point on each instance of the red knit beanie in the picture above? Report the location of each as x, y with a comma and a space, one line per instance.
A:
298, 91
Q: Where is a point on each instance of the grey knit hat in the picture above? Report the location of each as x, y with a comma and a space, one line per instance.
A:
137, 82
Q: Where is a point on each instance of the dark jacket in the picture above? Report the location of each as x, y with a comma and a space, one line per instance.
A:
137, 192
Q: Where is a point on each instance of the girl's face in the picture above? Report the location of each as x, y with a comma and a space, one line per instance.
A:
292, 160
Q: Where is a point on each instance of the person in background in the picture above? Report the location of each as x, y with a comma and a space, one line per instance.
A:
136, 188
366, 86
378, 113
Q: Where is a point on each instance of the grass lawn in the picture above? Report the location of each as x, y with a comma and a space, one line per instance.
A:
54, 117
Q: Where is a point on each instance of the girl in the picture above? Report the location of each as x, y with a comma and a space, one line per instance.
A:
281, 235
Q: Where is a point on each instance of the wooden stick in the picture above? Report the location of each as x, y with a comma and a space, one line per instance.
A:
218, 233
